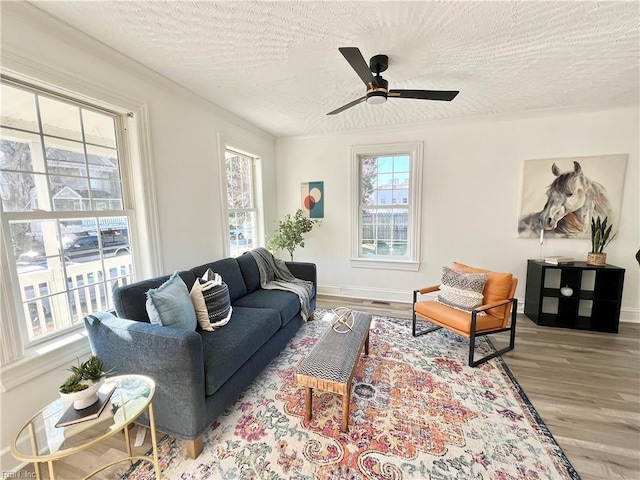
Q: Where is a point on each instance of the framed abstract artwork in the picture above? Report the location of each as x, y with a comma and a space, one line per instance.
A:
560, 196
313, 199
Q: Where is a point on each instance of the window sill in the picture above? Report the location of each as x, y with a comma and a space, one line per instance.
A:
403, 265
44, 358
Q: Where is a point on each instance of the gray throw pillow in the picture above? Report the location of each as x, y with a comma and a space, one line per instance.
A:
462, 291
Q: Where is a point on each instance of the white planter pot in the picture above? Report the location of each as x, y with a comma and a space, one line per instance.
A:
84, 398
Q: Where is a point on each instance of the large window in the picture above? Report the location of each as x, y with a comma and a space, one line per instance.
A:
65, 221
386, 205
242, 205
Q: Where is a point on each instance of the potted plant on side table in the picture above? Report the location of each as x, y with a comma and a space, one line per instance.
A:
82, 386
600, 238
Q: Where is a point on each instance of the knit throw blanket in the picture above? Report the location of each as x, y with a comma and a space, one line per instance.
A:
274, 275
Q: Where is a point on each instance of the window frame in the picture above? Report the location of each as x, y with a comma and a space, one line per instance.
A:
412, 261
19, 363
257, 192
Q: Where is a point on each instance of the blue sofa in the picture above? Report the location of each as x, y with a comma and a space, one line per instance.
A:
199, 374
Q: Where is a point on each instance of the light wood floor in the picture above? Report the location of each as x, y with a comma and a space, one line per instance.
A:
584, 385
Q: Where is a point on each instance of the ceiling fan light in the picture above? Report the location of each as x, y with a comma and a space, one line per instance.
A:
376, 98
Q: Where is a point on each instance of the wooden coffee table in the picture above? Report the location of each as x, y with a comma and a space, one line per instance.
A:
332, 362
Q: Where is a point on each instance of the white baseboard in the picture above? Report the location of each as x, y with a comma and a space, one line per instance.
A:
630, 316
388, 295
9, 466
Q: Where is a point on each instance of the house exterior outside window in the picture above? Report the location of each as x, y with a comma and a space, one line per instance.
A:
66, 228
386, 206
243, 212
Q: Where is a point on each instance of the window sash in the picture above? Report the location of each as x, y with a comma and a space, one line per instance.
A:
404, 252
80, 287
242, 211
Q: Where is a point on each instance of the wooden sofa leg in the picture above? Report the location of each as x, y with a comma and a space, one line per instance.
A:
194, 447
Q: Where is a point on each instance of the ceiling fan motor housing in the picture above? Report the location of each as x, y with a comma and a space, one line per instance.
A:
378, 94
378, 63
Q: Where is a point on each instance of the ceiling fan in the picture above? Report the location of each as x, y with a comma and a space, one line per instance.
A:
377, 91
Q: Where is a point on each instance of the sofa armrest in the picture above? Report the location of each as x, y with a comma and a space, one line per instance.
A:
304, 271
172, 357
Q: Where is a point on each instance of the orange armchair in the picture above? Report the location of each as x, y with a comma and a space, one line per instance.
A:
498, 303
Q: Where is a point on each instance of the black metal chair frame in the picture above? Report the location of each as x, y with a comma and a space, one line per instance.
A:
473, 334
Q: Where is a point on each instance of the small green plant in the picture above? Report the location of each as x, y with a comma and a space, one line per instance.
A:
600, 234
73, 384
81, 374
289, 234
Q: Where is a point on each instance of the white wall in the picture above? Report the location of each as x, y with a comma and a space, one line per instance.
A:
471, 192
471, 180
184, 132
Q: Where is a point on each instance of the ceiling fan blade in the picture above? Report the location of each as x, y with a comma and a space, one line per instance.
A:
348, 105
443, 95
358, 63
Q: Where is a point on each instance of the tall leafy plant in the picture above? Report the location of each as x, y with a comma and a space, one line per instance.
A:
290, 231
600, 234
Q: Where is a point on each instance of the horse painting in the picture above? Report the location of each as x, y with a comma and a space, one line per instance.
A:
572, 201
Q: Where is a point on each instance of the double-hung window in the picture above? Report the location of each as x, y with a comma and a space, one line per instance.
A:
65, 223
386, 206
242, 201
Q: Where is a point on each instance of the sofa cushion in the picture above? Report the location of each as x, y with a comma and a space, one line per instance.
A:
229, 269
460, 290
130, 300
286, 303
227, 349
250, 271
170, 305
497, 288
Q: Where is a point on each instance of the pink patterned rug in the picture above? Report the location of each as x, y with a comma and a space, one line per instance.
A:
417, 412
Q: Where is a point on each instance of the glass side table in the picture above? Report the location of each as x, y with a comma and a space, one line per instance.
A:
39, 441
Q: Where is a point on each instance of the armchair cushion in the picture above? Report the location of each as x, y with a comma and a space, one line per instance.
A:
455, 320
460, 290
497, 288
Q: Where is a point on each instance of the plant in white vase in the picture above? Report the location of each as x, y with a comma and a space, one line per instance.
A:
82, 386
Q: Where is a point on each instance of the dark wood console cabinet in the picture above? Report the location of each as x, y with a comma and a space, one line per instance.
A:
594, 304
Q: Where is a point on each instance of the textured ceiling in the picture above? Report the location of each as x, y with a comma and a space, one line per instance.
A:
277, 65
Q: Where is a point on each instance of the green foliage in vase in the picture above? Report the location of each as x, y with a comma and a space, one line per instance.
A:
73, 384
600, 234
289, 234
81, 374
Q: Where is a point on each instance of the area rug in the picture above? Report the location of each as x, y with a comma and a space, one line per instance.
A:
417, 412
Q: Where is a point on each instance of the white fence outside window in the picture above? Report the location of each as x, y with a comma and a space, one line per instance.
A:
87, 292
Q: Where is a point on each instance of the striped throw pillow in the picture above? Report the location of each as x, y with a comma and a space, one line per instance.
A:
210, 296
462, 291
